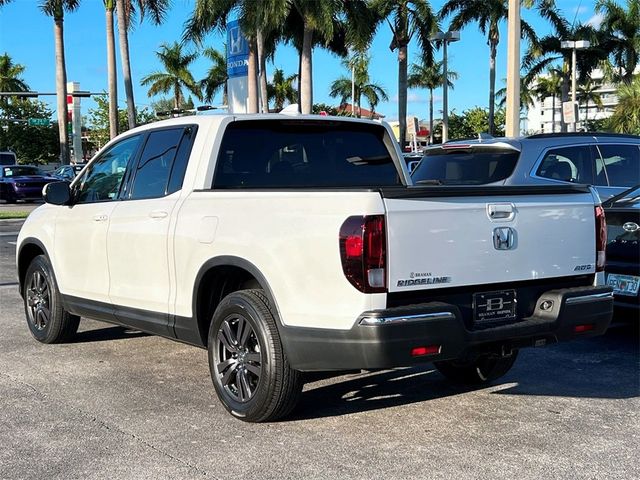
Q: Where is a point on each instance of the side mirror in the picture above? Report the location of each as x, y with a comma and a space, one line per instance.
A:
57, 193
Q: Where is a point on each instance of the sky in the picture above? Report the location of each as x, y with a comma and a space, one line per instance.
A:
26, 34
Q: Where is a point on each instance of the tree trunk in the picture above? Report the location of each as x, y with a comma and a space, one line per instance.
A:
262, 62
61, 91
402, 93
252, 78
586, 113
123, 25
306, 80
430, 116
553, 114
111, 73
176, 96
492, 86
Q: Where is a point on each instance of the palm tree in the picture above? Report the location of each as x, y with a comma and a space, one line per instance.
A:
407, 18
624, 25
125, 9
10, 77
216, 78
488, 14
547, 51
626, 117
280, 89
109, 7
176, 74
362, 85
257, 21
588, 92
56, 9
430, 76
527, 95
550, 86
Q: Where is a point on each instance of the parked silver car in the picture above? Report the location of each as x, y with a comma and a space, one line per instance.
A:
610, 162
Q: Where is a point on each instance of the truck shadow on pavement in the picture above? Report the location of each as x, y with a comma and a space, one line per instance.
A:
107, 334
605, 367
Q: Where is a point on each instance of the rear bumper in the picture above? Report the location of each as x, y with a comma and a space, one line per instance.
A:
385, 338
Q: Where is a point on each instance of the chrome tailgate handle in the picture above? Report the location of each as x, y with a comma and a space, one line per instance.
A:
501, 211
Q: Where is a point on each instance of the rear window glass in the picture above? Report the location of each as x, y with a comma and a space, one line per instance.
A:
290, 154
466, 167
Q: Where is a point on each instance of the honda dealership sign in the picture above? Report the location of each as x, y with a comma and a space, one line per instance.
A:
237, 68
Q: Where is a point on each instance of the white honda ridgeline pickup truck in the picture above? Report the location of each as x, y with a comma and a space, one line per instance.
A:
289, 244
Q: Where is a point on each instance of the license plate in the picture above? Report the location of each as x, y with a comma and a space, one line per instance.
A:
491, 307
624, 284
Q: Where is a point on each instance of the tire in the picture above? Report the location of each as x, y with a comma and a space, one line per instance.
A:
482, 370
48, 321
249, 369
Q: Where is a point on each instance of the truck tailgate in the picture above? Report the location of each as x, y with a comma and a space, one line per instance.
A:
453, 236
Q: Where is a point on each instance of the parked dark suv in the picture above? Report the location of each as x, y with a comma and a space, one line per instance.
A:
609, 162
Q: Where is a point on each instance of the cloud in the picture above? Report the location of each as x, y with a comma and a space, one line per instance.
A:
596, 20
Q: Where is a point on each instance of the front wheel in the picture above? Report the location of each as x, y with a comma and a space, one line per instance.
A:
483, 369
249, 369
48, 321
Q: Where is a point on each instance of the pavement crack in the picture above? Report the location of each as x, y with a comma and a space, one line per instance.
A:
109, 427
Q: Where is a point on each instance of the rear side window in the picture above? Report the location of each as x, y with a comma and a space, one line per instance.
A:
162, 164
622, 164
568, 164
476, 166
290, 154
7, 158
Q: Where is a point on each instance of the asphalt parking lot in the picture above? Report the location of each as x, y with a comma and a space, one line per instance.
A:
122, 404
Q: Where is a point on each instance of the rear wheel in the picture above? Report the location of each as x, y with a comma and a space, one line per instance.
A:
48, 321
249, 369
483, 369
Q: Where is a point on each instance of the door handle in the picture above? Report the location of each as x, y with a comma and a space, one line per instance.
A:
158, 214
101, 217
501, 211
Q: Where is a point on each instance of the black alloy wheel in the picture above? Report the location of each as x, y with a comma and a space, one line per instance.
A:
237, 358
48, 321
38, 300
249, 368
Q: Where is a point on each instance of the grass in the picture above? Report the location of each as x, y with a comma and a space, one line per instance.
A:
13, 214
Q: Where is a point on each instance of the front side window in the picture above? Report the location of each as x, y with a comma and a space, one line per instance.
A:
622, 164
568, 164
103, 178
162, 164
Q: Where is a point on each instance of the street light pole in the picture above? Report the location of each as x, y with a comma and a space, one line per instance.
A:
445, 95
445, 38
574, 46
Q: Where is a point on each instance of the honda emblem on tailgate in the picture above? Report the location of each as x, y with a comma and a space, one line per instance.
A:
504, 238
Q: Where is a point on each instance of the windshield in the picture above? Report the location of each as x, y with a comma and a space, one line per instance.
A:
18, 171
475, 166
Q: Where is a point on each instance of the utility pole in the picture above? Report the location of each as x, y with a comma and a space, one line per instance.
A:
512, 127
445, 38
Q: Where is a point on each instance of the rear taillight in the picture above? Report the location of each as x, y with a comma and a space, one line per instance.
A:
363, 251
601, 239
